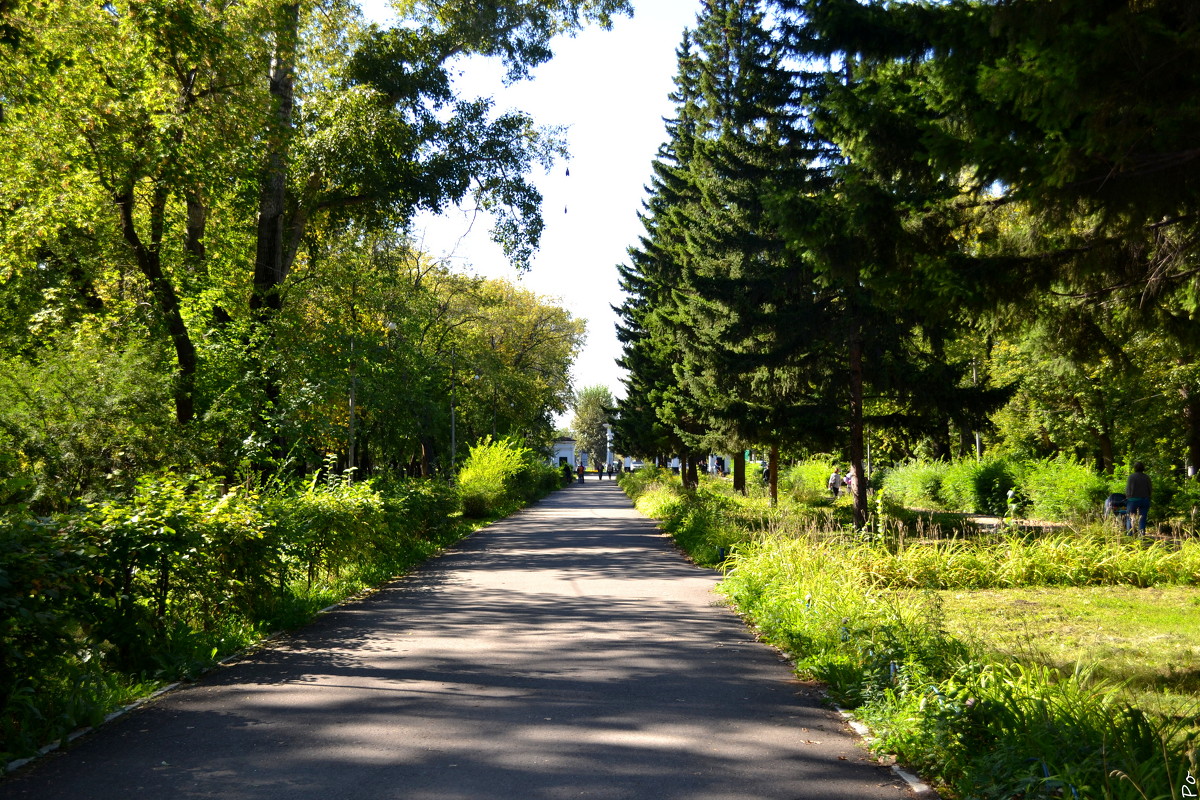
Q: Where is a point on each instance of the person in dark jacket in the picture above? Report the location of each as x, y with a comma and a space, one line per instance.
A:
1137, 497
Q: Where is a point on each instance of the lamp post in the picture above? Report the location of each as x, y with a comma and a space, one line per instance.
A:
608, 439
453, 431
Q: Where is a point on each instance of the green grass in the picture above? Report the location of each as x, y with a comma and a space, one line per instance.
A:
965, 665
80, 693
1147, 640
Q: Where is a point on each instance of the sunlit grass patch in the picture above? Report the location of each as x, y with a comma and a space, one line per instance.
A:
954, 651
1145, 639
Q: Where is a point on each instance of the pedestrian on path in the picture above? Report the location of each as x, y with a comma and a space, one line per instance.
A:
835, 483
579, 471
1137, 497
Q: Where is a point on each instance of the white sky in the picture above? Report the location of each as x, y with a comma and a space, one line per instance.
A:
610, 88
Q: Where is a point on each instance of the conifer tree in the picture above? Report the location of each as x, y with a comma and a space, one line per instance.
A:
656, 416
1079, 113
878, 230
749, 322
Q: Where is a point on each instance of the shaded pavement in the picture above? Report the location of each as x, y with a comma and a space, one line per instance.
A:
566, 652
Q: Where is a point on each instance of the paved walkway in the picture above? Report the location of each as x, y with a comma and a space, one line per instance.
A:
567, 652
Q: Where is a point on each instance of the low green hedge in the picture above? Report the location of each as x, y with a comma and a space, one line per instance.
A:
97, 605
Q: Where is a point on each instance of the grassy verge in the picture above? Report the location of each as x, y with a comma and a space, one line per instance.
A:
1147, 640
78, 676
912, 633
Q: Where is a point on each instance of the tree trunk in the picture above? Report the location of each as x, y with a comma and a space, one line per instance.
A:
269, 272
859, 484
266, 298
1191, 418
427, 445
1107, 457
693, 476
149, 261
773, 468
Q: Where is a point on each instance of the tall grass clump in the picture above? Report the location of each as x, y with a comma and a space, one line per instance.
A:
1094, 557
711, 521
807, 481
977, 487
498, 475
979, 729
1010, 730
916, 484
1061, 489
638, 482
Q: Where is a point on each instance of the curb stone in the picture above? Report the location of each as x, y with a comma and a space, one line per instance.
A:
919, 787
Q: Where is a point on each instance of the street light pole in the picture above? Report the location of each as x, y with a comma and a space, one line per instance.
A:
453, 432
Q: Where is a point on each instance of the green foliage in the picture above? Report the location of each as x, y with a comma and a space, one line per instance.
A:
859, 615
977, 487
983, 729
916, 484
95, 604
639, 481
698, 521
1072, 558
1002, 730
1054, 490
808, 480
87, 416
500, 474
1061, 489
593, 409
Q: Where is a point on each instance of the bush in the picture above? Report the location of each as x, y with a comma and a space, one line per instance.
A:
808, 481
977, 487
85, 417
157, 585
916, 484
420, 508
1061, 489
498, 475
638, 482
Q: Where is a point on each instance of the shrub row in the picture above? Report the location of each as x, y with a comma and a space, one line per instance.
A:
499, 475
99, 604
979, 728
1053, 489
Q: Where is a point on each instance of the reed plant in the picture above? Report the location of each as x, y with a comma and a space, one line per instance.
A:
807, 481
858, 611
916, 484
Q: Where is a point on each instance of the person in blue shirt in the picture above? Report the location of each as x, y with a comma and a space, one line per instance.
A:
1137, 497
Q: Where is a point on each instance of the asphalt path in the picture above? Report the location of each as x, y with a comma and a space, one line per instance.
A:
566, 652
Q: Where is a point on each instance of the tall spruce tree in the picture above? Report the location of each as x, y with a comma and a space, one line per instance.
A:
748, 321
1078, 112
657, 416
878, 230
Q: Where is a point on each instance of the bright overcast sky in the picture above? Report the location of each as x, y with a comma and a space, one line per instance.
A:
610, 88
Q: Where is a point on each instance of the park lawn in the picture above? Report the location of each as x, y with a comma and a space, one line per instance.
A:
1147, 639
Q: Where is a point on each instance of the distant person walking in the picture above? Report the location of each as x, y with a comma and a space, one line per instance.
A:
1137, 497
835, 483
852, 483
579, 472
